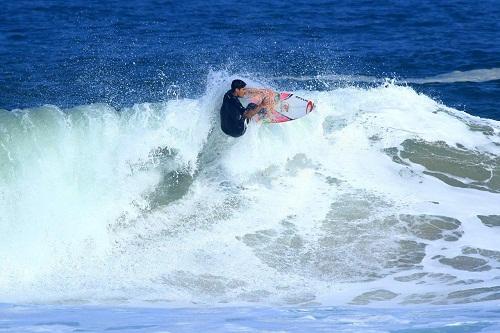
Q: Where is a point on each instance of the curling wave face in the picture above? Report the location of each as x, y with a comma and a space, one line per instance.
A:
379, 195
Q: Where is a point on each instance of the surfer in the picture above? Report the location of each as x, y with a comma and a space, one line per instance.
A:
233, 116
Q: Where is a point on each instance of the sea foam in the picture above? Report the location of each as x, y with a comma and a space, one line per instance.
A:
381, 195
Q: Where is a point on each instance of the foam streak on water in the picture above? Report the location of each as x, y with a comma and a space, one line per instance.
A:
381, 196
475, 75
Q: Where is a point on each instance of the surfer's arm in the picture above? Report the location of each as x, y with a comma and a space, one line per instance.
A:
255, 90
252, 110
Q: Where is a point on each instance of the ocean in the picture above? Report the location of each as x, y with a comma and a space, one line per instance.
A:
123, 206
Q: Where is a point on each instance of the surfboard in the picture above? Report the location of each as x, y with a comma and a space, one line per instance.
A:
279, 107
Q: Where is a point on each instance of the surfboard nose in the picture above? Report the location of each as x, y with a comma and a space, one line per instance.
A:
310, 106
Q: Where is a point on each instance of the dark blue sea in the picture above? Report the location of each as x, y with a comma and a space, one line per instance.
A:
124, 207
81, 52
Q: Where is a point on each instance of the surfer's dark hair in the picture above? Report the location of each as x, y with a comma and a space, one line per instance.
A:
237, 84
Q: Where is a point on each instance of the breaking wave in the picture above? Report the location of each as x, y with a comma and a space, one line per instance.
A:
381, 194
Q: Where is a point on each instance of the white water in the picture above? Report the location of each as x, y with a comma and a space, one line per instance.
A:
155, 204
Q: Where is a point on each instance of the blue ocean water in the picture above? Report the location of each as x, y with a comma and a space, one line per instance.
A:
245, 319
124, 208
83, 52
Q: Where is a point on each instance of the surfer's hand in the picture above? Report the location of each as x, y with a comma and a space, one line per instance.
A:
252, 111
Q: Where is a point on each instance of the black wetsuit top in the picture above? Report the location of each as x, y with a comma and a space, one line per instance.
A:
232, 121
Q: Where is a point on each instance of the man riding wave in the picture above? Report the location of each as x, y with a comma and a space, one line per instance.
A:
234, 116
